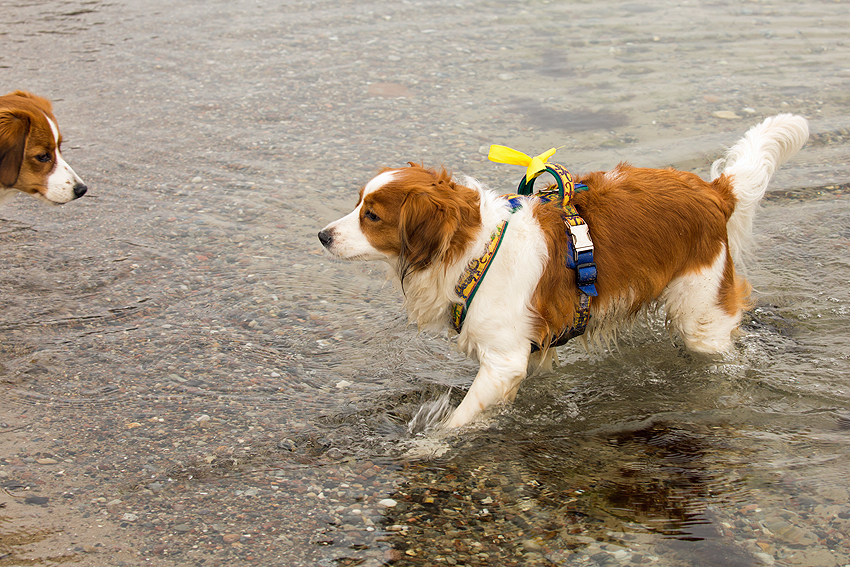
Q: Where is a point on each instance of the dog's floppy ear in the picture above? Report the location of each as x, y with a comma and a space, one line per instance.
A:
14, 127
426, 227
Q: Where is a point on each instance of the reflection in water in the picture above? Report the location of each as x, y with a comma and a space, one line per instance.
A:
655, 478
669, 477
605, 496
557, 495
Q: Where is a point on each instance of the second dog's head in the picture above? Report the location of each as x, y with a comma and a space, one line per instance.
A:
413, 218
30, 157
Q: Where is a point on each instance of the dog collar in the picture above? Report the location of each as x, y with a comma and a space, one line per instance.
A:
579, 244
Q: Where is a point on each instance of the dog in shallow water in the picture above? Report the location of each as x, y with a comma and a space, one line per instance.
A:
30, 157
660, 237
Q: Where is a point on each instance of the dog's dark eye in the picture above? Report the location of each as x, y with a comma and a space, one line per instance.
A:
370, 214
44, 158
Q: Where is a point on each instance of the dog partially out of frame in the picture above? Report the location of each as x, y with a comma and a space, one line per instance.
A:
662, 238
30, 157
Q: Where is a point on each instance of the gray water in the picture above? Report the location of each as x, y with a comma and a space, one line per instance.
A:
212, 389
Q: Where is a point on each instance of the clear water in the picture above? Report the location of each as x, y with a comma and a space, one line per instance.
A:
189, 287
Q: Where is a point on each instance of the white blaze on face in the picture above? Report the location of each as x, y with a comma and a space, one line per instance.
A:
62, 180
349, 242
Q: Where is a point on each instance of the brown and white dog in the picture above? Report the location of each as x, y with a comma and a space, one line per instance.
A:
661, 237
30, 160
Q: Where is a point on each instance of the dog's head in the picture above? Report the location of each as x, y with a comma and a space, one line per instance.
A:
411, 217
30, 157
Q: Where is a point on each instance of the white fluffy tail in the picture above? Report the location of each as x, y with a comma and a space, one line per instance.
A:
750, 164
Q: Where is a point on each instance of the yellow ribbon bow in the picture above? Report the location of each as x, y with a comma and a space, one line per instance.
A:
534, 165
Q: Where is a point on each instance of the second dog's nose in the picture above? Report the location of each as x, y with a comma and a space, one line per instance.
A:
80, 190
325, 238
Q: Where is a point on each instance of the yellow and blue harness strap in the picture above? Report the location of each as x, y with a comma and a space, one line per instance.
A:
577, 257
473, 275
580, 258
580, 246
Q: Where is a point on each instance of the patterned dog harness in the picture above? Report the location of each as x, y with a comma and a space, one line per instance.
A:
580, 246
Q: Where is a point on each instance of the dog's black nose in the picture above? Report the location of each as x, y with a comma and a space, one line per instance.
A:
325, 238
80, 190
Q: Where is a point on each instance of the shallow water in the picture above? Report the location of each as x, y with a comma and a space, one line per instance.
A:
212, 388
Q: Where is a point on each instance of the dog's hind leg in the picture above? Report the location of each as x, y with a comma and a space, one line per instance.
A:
705, 306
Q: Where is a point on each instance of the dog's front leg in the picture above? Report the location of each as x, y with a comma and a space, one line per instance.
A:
498, 380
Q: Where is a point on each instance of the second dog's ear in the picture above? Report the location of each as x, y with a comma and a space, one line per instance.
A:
14, 127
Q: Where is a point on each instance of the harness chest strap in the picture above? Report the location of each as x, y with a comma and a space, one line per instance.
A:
473, 275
